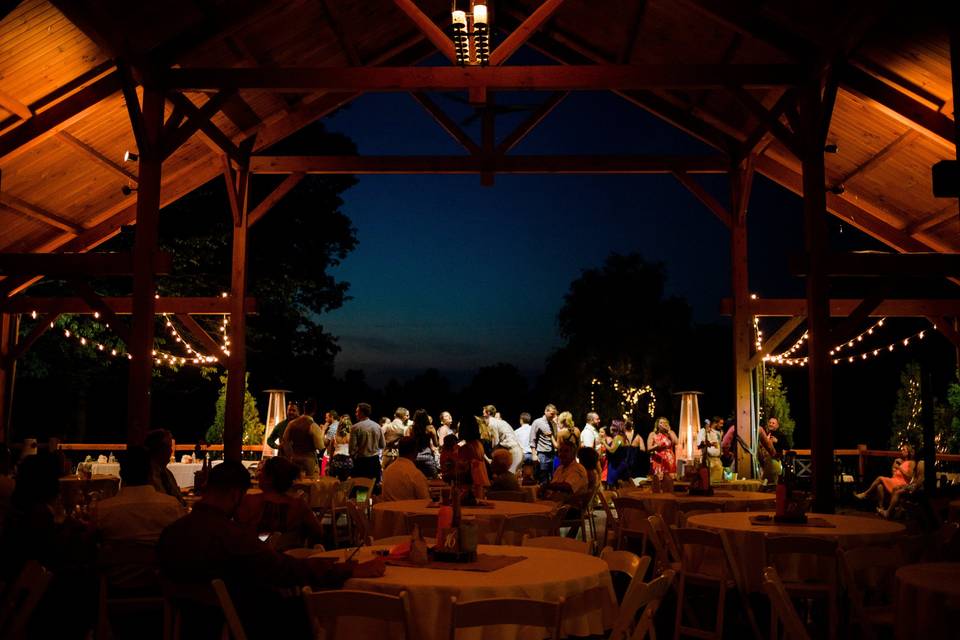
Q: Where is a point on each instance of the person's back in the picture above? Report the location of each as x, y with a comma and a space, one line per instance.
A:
274, 509
402, 480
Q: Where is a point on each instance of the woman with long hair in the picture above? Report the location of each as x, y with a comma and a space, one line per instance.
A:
276, 509
662, 445
471, 455
341, 463
902, 473
617, 449
425, 436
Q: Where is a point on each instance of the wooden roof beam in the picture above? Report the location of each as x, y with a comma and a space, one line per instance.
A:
774, 341
705, 197
274, 197
447, 165
522, 33
77, 264
843, 307
198, 332
508, 78
528, 125
772, 122
878, 157
948, 212
898, 105
33, 212
922, 265
947, 328
196, 115
57, 116
349, 51
88, 150
14, 106
446, 122
202, 305
429, 29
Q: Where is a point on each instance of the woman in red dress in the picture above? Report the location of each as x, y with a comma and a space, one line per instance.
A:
662, 445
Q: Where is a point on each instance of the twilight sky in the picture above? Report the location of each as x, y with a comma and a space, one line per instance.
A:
453, 275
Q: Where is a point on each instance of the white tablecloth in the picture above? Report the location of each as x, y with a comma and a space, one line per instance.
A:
544, 574
183, 471
389, 518
105, 468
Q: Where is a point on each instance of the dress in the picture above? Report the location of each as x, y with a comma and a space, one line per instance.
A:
617, 462
901, 476
664, 461
472, 453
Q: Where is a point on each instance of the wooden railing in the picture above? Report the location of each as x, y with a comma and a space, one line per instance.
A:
179, 447
862, 453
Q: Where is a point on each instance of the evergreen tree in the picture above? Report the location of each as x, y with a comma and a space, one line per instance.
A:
776, 405
907, 428
253, 429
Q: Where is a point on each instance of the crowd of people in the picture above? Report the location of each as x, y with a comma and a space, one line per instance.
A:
223, 534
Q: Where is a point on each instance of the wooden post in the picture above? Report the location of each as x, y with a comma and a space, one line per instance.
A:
741, 179
861, 463
929, 451
9, 325
818, 297
145, 250
237, 363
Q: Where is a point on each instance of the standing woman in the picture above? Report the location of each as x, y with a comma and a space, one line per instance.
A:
709, 442
662, 445
341, 464
426, 438
617, 455
637, 461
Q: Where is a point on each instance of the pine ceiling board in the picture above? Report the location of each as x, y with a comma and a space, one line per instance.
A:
904, 181
857, 143
914, 48
40, 50
675, 33
17, 228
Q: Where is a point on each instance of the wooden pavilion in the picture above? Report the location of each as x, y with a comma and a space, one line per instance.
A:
847, 104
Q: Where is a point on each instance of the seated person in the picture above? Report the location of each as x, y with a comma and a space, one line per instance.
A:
207, 544
402, 480
275, 509
903, 492
569, 479
528, 473
902, 473
501, 479
590, 460
449, 452
159, 444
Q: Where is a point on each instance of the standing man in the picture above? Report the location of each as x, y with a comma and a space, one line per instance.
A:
771, 448
542, 435
503, 436
366, 441
523, 436
302, 439
392, 432
331, 422
276, 435
591, 431
446, 426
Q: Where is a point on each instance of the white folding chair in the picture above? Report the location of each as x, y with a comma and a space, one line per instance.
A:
509, 611
232, 626
325, 607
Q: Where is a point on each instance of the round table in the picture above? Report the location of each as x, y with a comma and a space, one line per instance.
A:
389, 518
668, 505
543, 574
928, 600
75, 490
747, 539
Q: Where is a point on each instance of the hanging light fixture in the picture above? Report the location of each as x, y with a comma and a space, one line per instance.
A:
471, 32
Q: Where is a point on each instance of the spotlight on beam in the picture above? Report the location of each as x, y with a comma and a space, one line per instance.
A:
831, 148
127, 189
130, 156
837, 189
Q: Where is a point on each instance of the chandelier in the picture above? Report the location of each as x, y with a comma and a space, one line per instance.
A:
471, 32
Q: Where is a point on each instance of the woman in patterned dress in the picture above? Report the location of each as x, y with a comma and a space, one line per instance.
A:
662, 445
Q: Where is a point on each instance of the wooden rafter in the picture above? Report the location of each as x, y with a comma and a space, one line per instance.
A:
39, 214
704, 196
850, 326
74, 264
198, 332
132, 102
528, 125
635, 24
843, 307
274, 197
946, 328
196, 114
197, 118
884, 264
428, 27
876, 159
447, 165
43, 324
947, 213
507, 78
212, 305
522, 33
41, 126
90, 152
349, 51
14, 106
446, 122
774, 341
787, 137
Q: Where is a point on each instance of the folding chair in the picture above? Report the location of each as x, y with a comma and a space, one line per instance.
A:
559, 543
624, 564
868, 575
511, 611
359, 525
128, 581
668, 554
610, 518
632, 522
782, 608
232, 626
21, 598
813, 549
325, 607
646, 597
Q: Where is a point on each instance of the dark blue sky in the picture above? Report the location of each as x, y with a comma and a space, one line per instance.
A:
453, 275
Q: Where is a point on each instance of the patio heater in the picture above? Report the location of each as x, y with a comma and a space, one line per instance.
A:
276, 412
687, 429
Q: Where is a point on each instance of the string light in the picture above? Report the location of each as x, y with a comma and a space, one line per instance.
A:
781, 358
859, 357
629, 396
853, 341
194, 355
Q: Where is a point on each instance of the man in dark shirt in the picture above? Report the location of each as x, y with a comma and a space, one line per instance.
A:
159, 444
208, 544
276, 434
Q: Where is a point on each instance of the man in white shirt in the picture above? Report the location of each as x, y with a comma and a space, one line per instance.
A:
402, 480
570, 478
590, 432
392, 432
503, 436
523, 435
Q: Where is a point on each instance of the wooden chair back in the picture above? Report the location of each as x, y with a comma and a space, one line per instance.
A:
824, 584
604, 499
510, 496
21, 598
648, 598
232, 622
559, 543
624, 561
782, 608
511, 528
668, 553
632, 514
512, 611
325, 607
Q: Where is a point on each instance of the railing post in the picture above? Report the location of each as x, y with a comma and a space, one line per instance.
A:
861, 463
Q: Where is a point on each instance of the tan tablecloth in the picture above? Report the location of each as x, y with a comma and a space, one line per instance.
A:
73, 490
389, 518
749, 550
668, 505
544, 574
928, 600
